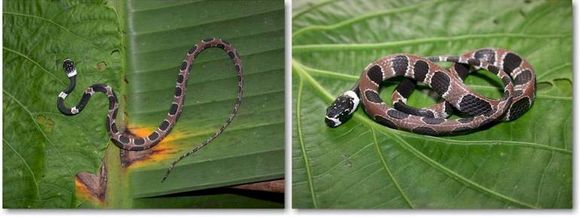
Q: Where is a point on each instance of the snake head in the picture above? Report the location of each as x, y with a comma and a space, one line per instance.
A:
69, 67
341, 109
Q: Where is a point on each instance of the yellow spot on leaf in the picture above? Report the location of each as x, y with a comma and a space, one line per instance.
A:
85, 194
164, 150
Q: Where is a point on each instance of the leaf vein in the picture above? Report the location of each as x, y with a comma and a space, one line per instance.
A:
28, 168
34, 62
361, 18
302, 145
452, 174
37, 126
389, 173
378, 46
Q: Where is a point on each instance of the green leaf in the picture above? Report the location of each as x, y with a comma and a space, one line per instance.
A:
137, 47
43, 149
525, 163
252, 147
215, 198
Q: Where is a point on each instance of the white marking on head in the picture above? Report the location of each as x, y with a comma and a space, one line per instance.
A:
62, 95
73, 73
355, 100
334, 120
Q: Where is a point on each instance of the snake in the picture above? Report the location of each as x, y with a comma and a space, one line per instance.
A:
475, 110
126, 140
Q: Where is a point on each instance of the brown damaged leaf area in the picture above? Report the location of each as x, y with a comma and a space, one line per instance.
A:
162, 151
276, 186
91, 187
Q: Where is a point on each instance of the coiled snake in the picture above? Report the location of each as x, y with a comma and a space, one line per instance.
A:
516, 74
125, 139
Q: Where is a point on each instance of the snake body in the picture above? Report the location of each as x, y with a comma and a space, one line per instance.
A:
516, 74
124, 139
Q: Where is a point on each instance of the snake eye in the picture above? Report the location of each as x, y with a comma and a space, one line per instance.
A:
341, 109
68, 66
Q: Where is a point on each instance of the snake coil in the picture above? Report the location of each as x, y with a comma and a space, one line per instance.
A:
516, 74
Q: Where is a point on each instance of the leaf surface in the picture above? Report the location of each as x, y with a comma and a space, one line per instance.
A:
525, 163
42, 149
137, 47
252, 148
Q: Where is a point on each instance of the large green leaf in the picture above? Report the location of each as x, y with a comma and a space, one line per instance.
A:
137, 47
525, 163
43, 149
252, 149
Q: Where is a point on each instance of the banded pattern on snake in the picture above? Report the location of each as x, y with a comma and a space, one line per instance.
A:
516, 74
124, 139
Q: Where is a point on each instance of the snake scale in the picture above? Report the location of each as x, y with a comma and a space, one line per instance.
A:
124, 139
477, 111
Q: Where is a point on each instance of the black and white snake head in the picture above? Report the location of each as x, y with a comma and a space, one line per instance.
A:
69, 67
341, 109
